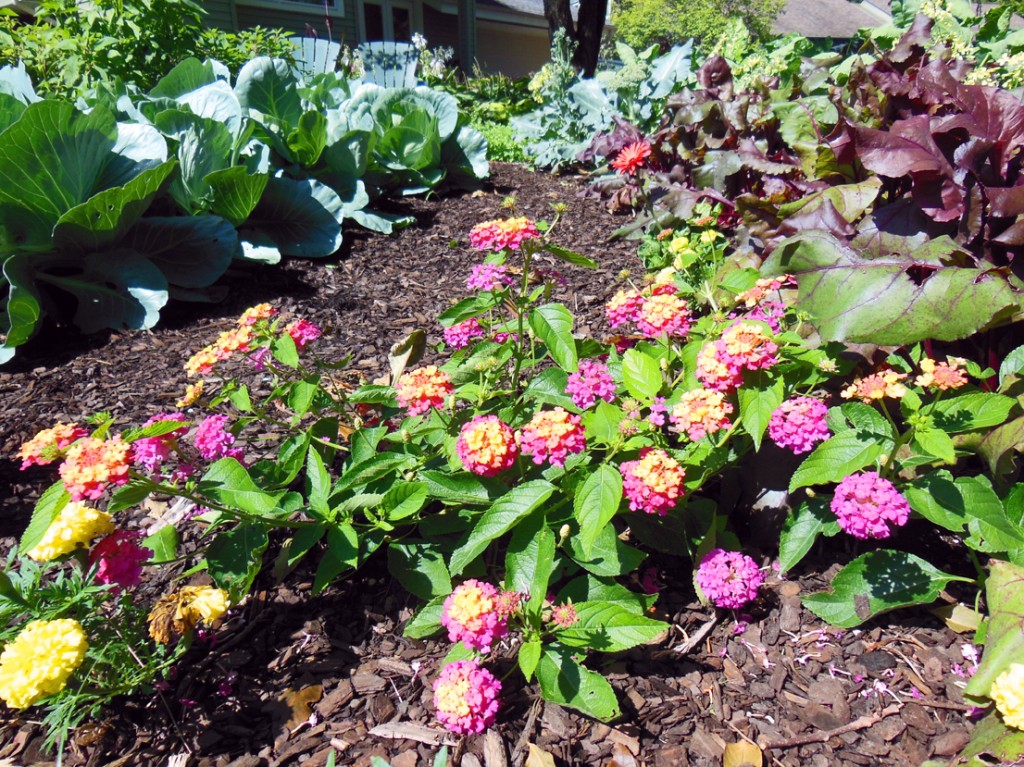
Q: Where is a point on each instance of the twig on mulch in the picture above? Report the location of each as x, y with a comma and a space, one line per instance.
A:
862, 723
697, 638
527, 729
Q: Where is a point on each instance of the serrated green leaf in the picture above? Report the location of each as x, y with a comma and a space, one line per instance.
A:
529, 657
235, 556
427, 621
875, 583
503, 515
47, 508
641, 374
163, 543
567, 683
802, 528
419, 566
530, 561
938, 499
609, 627
596, 502
838, 457
759, 397
126, 496
553, 325
342, 555
935, 442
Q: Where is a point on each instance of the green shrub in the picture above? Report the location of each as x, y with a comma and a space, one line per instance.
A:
502, 143
665, 23
234, 49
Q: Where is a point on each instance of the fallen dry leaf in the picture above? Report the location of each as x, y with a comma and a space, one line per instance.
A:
301, 703
742, 754
959, 618
621, 756
538, 757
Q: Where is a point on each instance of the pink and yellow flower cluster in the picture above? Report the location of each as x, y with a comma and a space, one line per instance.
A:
503, 234
471, 616
659, 313
653, 483
466, 697
50, 445
552, 435
743, 346
487, 446
701, 412
424, 388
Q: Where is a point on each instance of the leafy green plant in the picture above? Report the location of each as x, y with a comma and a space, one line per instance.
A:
664, 23
503, 144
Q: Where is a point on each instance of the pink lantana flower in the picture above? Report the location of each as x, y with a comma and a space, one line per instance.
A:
470, 613
551, 435
487, 446
592, 381
119, 560
728, 578
459, 335
466, 697
798, 424
869, 506
213, 440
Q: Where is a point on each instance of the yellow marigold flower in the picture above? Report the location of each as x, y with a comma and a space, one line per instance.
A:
678, 245
178, 613
39, 661
75, 527
254, 314
942, 375
880, 385
192, 394
708, 236
1008, 693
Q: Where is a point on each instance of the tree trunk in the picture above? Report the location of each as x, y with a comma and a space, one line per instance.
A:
589, 26
586, 32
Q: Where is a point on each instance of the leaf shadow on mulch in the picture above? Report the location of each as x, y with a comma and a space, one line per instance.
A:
337, 664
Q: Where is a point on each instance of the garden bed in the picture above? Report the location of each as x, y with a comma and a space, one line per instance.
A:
887, 694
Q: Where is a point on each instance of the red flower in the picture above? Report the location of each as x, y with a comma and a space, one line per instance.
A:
631, 158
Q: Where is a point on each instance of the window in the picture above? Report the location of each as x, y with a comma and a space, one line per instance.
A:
388, 20
299, 5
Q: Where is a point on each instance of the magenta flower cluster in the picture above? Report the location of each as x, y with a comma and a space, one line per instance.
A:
799, 424
590, 382
728, 578
151, 452
489, 277
119, 559
213, 440
869, 506
303, 332
471, 616
459, 335
466, 697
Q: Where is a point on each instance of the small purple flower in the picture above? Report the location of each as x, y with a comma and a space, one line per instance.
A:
728, 578
214, 441
458, 336
869, 506
489, 277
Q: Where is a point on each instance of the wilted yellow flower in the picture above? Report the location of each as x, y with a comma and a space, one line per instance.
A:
1008, 693
178, 613
39, 661
192, 394
75, 527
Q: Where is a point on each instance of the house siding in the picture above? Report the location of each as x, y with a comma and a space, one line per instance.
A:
343, 28
512, 50
218, 14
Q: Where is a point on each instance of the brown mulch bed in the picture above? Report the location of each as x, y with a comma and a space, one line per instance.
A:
886, 694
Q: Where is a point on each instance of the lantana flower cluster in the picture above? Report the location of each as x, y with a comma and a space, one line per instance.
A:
701, 412
424, 388
552, 435
869, 506
489, 277
653, 483
459, 335
91, 465
883, 384
729, 579
592, 381
656, 312
50, 445
503, 234
487, 446
744, 346
470, 614
466, 697
798, 424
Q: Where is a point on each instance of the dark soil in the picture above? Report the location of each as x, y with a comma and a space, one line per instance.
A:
887, 694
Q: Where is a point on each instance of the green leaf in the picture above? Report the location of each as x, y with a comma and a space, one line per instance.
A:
420, 568
569, 256
1012, 364
596, 502
609, 556
163, 543
461, 488
972, 410
553, 325
372, 469
373, 395
855, 297
296, 217
591, 588
236, 192
307, 141
875, 583
935, 442
47, 508
296, 548
318, 483
473, 306
234, 558
228, 483
530, 561
602, 423
403, 500
9, 592
838, 457
342, 554
503, 515
567, 683
427, 621
126, 496
21, 314
549, 388
802, 528
759, 397
641, 374
1004, 640
609, 627
990, 530
864, 418
190, 251
992, 742
938, 499
269, 86
529, 657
